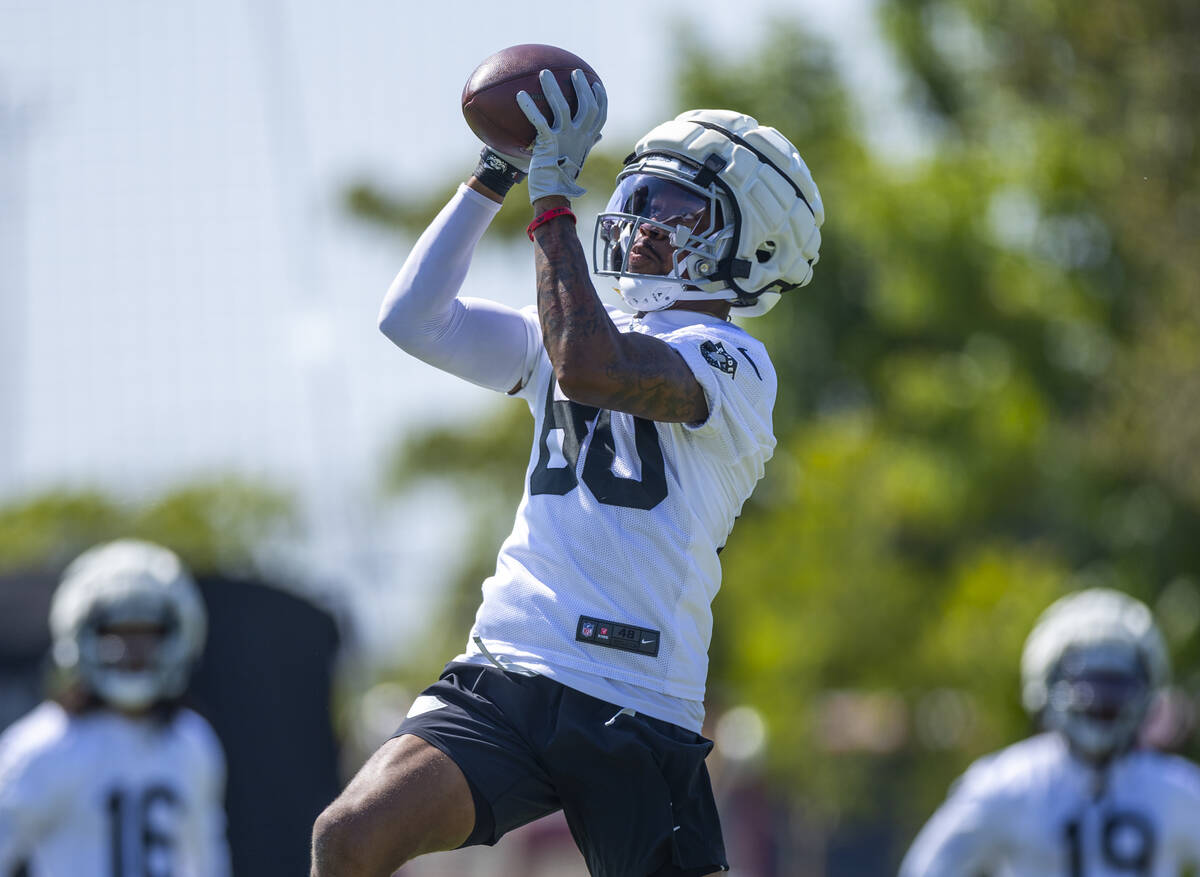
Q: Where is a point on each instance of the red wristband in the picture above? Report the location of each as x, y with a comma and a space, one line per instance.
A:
543, 218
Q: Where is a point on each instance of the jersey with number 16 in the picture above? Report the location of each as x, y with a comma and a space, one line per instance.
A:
102, 793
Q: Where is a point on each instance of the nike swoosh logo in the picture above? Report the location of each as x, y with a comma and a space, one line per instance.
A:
423, 704
647, 642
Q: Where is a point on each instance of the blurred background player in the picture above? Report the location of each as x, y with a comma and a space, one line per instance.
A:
1080, 798
115, 776
582, 683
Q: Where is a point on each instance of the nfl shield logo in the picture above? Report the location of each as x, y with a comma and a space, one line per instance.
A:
588, 629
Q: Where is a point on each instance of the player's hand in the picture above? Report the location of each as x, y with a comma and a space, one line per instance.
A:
561, 148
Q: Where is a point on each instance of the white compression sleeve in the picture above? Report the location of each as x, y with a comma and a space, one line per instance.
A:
484, 342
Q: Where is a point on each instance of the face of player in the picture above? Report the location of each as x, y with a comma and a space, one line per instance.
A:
670, 206
652, 252
130, 646
1101, 694
128, 653
1099, 699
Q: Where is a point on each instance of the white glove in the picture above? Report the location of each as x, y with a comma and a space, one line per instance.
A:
560, 149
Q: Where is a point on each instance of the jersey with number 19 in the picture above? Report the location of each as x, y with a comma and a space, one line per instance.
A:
606, 580
101, 793
1035, 810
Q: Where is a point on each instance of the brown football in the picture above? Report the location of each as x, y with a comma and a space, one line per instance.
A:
489, 99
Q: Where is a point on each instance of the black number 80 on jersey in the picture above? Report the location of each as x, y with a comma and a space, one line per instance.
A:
609, 488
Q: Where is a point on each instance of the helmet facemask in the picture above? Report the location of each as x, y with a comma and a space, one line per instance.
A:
1097, 698
662, 236
132, 655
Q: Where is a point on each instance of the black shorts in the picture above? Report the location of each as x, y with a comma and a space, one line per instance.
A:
634, 789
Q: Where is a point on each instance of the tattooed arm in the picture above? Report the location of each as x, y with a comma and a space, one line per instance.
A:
594, 363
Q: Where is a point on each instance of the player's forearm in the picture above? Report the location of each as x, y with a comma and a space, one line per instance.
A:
483, 189
594, 363
579, 337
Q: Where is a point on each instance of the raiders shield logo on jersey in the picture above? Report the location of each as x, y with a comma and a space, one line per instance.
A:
714, 353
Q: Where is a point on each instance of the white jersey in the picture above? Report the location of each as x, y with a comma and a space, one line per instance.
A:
103, 794
607, 578
1035, 810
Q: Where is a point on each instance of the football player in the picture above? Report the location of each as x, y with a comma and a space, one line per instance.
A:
581, 685
116, 777
1080, 798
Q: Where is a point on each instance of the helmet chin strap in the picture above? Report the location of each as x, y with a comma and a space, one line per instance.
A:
647, 293
644, 293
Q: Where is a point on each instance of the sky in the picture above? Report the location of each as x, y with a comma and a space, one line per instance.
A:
181, 291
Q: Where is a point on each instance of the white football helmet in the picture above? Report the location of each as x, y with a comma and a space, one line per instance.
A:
1091, 668
127, 582
735, 200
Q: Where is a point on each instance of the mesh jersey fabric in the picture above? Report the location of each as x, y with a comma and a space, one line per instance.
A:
622, 520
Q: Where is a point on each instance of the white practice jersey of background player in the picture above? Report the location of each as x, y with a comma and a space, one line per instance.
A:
1036, 810
1080, 799
618, 531
106, 794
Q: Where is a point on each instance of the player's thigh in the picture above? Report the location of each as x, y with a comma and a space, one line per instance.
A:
408, 799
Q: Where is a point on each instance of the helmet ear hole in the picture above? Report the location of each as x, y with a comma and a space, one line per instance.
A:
765, 252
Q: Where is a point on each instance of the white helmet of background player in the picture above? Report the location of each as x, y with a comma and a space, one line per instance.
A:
118, 585
744, 214
1091, 668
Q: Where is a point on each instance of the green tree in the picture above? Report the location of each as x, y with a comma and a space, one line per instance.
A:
984, 392
217, 525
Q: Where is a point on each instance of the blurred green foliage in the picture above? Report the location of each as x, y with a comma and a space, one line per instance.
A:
217, 525
988, 395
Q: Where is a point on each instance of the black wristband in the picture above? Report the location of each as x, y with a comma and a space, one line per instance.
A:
496, 173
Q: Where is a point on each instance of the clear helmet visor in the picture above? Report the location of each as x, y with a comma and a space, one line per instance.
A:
657, 227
